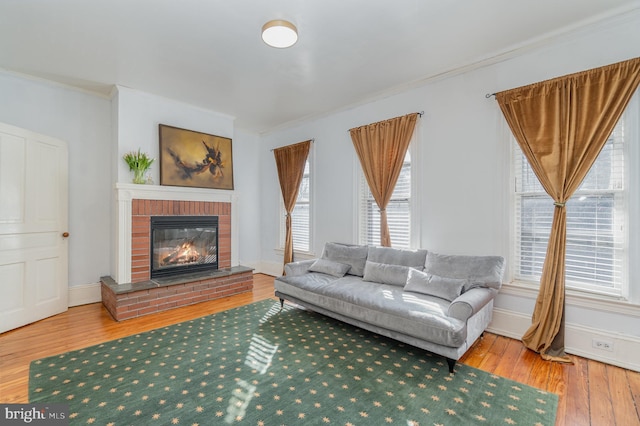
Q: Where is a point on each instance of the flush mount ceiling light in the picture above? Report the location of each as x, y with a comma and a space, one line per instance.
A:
279, 33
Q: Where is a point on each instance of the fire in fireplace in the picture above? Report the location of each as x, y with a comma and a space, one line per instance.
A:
183, 244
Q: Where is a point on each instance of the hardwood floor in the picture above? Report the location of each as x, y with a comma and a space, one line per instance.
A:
591, 393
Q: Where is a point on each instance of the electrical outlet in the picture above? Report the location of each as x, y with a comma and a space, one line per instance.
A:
605, 345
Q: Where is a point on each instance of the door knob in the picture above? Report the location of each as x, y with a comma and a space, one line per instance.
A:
65, 234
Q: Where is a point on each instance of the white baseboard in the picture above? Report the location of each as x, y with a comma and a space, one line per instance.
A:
84, 294
579, 340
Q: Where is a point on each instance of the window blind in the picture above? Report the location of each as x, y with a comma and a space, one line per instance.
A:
398, 211
595, 222
300, 217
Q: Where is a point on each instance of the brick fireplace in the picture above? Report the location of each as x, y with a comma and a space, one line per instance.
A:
132, 292
143, 210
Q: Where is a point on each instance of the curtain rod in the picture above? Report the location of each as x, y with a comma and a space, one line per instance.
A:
312, 141
488, 95
420, 114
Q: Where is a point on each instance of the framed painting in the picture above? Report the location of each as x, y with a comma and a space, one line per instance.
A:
189, 158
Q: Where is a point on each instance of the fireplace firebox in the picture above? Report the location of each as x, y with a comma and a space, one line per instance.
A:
183, 244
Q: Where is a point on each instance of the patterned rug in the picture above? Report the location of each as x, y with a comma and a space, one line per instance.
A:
259, 365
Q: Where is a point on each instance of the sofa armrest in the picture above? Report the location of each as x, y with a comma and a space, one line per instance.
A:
470, 302
298, 268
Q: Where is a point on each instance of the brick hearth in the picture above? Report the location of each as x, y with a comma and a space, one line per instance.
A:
125, 301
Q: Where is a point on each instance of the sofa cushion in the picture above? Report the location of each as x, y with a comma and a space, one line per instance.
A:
434, 285
385, 306
395, 256
353, 255
479, 271
330, 267
310, 280
300, 267
385, 274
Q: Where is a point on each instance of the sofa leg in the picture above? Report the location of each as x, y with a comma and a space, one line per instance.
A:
281, 303
451, 363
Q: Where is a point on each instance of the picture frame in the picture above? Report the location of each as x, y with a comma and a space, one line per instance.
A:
195, 159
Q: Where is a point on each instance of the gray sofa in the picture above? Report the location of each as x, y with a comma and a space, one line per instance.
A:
440, 303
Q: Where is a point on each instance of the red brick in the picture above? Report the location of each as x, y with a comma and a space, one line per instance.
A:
165, 292
148, 310
126, 315
208, 291
139, 277
177, 298
140, 243
167, 306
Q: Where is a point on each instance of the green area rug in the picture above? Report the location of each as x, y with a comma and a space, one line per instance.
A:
259, 365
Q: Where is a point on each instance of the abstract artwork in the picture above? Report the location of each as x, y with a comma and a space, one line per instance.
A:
190, 158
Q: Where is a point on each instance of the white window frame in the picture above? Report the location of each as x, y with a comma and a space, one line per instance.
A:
283, 213
628, 205
362, 191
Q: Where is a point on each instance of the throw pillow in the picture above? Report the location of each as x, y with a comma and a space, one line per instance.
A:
385, 274
434, 285
352, 255
396, 256
329, 267
479, 271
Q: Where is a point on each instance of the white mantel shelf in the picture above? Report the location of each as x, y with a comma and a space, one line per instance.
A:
126, 192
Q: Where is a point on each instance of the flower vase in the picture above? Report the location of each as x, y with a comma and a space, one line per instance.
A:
138, 176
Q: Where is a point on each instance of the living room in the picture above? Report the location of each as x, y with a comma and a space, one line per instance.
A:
461, 158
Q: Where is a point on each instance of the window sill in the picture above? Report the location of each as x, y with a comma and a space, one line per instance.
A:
598, 302
297, 255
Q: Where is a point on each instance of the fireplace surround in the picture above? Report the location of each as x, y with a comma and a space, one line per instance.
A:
133, 291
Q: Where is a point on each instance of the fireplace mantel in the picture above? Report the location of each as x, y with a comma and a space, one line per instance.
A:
125, 193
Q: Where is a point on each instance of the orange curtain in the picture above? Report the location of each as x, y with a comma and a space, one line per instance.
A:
381, 148
561, 126
290, 161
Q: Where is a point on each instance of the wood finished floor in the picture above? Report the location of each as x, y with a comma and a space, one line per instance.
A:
591, 393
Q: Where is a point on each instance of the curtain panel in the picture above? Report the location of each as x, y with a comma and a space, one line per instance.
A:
561, 126
381, 148
290, 161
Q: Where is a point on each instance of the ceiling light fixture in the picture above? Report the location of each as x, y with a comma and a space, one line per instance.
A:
279, 33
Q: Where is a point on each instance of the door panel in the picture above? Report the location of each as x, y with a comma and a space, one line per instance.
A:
45, 183
12, 179
33, 217
46, 275
12, 298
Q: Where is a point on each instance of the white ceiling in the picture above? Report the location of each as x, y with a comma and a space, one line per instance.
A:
209, 53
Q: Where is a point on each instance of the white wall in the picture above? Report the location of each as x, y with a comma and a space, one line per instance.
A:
247, 177
136, 118
84, 122
464, 167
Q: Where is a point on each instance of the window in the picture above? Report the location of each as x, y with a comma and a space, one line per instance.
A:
398, 210
301, 216
597, 235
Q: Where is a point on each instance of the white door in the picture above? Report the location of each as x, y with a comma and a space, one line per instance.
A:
33, 227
